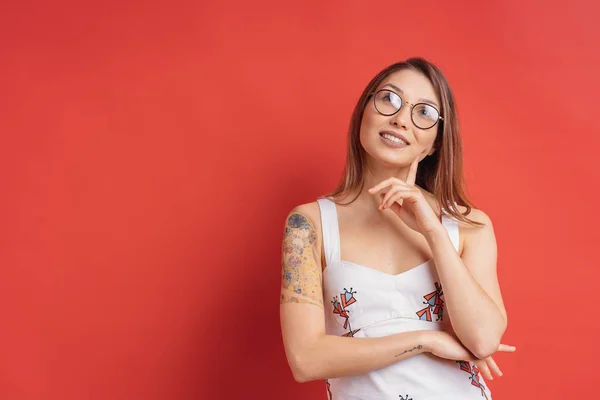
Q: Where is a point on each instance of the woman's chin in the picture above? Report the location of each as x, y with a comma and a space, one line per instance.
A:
390, 159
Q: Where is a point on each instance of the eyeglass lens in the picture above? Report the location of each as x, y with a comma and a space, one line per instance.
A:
423, 115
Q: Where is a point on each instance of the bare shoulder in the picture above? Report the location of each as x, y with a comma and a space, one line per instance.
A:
476, 215
309, 214
468, 233
301, 257
311, 211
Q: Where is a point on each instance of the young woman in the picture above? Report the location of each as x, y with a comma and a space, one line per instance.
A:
389, 284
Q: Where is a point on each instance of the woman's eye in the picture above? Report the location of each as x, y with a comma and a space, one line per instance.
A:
389, 98
395, 100
427, 111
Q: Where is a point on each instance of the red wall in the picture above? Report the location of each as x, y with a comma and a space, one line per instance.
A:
151, 150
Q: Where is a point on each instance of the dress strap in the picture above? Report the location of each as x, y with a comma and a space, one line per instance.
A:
451, 226
330, 229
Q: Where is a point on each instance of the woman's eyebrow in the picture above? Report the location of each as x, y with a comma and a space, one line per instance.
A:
433, 103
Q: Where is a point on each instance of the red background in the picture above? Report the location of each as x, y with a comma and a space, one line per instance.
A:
151, 151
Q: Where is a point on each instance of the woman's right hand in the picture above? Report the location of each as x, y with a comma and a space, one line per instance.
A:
446, 345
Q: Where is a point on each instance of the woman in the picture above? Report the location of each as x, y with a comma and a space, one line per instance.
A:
374, 272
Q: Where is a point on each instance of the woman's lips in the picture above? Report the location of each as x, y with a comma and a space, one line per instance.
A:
396, 134
391, 142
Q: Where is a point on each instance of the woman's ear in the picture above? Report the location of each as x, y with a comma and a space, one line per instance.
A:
431, 151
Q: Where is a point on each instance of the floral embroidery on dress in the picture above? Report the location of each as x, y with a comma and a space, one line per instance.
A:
474, 371
435, 305
340, 307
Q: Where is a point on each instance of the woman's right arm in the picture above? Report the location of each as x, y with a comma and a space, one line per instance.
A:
311, 353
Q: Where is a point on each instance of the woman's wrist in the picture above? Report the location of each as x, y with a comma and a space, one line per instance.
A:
428, 339
437, 234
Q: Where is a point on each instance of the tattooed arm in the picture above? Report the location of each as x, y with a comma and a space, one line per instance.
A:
311, 353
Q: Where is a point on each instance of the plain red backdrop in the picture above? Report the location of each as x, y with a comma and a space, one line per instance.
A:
151, 151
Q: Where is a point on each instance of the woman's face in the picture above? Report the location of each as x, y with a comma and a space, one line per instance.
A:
411, 87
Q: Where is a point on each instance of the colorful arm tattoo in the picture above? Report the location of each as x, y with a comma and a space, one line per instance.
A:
301, 273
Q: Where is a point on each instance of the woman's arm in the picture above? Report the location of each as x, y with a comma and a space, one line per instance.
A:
314, 355
470, 286
311, 353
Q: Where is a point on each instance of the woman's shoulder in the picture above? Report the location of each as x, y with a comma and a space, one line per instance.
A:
475, 214
469, 233
307, 217
307, 213
466, 231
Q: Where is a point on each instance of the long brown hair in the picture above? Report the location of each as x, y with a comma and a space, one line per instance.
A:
440, 173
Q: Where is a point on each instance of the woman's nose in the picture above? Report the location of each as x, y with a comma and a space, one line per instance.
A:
402, 117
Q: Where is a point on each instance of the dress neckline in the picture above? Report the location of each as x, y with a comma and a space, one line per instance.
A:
378, 272
331, 241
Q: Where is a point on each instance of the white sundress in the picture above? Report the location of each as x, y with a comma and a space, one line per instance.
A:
363, 302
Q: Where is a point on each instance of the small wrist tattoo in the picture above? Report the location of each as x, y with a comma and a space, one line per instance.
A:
419, 347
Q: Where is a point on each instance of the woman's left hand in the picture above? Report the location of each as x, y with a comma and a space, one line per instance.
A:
407, 201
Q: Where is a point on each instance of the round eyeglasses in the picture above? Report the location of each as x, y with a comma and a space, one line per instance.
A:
423, 115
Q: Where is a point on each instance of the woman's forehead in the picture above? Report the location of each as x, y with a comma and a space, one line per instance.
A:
411, 84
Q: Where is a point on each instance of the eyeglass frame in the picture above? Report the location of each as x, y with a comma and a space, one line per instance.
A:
374, 94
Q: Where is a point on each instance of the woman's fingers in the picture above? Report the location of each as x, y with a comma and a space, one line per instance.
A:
484, 369
412, 172
393, 181
387, 196
506, 348
395, 195
382, 185
493, 366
